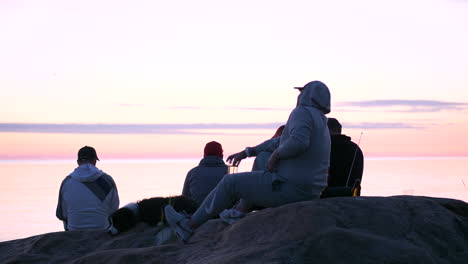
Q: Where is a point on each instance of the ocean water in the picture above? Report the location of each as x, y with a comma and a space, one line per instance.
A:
29, 189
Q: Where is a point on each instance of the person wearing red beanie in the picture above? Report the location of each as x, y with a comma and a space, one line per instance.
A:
202, 179
213, 148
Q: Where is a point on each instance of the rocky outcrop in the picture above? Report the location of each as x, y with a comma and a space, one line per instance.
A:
398, 229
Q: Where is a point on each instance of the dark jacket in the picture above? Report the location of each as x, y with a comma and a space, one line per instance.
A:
343, 151
203, 178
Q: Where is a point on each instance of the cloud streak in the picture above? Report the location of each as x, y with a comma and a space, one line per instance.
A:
130, 128
409, 105
176, 129
395, 125
419, 106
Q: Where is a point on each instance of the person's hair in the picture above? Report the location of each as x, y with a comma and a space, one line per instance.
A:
279, 131
334, 126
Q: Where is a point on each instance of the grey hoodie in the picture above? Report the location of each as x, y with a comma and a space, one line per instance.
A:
87, 197
304, 146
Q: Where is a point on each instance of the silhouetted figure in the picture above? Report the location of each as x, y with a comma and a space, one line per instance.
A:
202, 179
88, 196
260, 164
261, 160
346, 158
297, 168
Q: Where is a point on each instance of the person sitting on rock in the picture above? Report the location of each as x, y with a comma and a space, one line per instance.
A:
346, 158
243, 207
297, 168
88, 196
261, 160
202, 179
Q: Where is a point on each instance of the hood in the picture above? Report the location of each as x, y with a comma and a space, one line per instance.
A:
317, 95
86, 173
212, 161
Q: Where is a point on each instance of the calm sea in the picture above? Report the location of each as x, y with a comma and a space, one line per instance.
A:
29, 189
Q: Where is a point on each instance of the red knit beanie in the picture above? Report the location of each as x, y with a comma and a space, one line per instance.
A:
213, 148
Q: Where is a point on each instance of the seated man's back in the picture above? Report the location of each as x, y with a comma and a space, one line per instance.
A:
346, 158
201, 180
87, 198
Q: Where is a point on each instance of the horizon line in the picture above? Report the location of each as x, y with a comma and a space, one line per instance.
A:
177, 160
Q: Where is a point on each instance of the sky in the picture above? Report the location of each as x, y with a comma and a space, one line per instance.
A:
160, 79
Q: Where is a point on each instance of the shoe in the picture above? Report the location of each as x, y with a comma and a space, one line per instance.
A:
178, 223
231, 216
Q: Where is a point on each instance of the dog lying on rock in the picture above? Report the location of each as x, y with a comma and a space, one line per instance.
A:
150, 211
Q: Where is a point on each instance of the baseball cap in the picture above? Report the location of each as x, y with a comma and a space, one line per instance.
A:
302, 87
87, 153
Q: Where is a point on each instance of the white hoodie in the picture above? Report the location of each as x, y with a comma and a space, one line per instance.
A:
87, 198
304, 146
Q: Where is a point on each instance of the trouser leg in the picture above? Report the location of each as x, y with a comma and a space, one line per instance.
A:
255, 187
243, 206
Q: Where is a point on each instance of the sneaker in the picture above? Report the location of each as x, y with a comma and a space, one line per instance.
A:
178, 223
231, 216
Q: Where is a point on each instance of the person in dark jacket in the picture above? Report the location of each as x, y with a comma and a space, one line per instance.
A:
346, 158
88, 196
202, 179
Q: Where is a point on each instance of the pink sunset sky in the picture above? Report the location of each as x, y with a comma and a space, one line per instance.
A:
159, 79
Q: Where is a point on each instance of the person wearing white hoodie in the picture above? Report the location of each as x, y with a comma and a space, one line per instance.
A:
88, 196
297, 169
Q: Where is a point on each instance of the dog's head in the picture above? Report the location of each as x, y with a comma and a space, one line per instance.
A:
122, 220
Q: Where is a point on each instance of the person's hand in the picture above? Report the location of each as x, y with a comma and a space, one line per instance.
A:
235, 159
272, 165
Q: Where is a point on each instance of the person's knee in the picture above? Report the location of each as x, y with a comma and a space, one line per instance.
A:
228, 179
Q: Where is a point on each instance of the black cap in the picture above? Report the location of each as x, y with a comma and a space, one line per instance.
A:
87, 153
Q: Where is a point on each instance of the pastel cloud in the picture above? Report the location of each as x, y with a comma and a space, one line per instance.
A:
129, 128
170, 128
408, 105
395, 125
389, 105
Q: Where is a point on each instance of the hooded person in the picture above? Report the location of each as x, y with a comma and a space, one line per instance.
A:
203, 178
88, 196
297, 168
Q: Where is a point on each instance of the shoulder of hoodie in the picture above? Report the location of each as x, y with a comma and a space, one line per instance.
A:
107, 177
302, 112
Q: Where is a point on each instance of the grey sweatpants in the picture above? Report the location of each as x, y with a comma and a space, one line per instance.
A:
255, 187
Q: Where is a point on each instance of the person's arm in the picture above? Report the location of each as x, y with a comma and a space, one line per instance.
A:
300, 130
186, 188
269, 145
60, 212
115, 200
60, 207
358, 166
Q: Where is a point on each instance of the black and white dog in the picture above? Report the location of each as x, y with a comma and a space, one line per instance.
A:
150, 211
